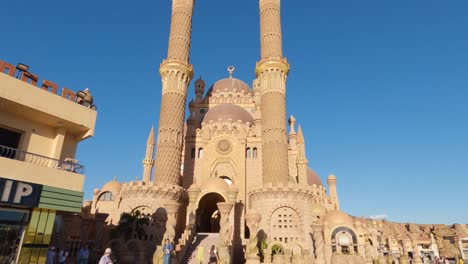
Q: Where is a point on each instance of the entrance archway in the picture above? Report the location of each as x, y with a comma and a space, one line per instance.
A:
207, 213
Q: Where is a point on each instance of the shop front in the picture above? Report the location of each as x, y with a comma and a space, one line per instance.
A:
27, 215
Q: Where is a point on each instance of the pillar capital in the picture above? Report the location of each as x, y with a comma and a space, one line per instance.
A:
171, 207
225, 207
193, 192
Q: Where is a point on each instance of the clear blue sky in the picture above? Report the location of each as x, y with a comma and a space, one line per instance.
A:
379, 87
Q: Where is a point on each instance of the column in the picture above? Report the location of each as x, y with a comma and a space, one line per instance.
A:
176, 73
172, 208
252, 220
319, 244
148, 161
225, 231
57, 145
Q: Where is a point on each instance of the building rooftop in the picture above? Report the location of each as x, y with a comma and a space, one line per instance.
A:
21, 72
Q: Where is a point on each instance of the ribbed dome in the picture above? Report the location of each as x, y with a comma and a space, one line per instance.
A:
313, 178
228, 111
229, 84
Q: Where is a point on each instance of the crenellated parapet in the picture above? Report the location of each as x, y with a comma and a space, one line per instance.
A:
153, 191
237, 129
231, 96
311, 194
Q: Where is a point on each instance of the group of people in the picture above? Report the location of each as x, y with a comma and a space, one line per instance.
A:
59, 256
213, 255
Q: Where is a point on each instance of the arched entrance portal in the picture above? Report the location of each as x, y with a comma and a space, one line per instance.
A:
207, 213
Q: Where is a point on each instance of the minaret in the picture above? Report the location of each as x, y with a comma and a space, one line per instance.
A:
331, 181
148, 162
176, 73
301, 157
292, 132
272, 71
199, 89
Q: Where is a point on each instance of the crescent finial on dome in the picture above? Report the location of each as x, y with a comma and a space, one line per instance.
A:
231, 69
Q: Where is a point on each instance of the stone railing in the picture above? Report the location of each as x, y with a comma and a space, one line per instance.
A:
33, 79
16, 154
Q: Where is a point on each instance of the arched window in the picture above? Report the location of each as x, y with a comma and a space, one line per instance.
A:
247, 153
106, 196
285, 225
200, 153
344, 241
254, 153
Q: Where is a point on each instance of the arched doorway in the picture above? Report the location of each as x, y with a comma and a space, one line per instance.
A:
207, 213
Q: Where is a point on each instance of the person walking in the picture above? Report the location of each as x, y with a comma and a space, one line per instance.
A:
167, 249
83, 255
200, 257
105, 259
62, 257
213, 255
51, 256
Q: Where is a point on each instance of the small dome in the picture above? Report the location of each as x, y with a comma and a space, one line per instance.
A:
313, 178
112, 186
229, 84
228, 111
337, 218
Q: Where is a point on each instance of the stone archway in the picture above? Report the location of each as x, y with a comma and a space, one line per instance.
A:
207, 216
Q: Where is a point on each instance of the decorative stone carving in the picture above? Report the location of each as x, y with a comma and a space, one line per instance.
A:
193, 193
225, 231
319, 244
172, 209
252, 219
232, 193
224, 146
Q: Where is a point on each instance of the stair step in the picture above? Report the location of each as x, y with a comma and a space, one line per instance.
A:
201, 239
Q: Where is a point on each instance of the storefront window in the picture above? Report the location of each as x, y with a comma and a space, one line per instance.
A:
12, 225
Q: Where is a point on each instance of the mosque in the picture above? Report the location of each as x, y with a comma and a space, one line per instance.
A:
235, 175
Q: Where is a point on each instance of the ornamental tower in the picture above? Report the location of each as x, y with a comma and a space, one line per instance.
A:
176, 73
272, 71
148, 162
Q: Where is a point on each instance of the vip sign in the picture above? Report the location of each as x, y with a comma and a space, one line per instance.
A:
18, 193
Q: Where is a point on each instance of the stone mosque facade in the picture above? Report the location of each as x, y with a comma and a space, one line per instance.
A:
235, 175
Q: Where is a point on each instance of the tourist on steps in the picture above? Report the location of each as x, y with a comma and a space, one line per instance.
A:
213, 255
200, 257
167, 249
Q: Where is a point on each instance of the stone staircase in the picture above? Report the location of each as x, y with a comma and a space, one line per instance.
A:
204, 239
